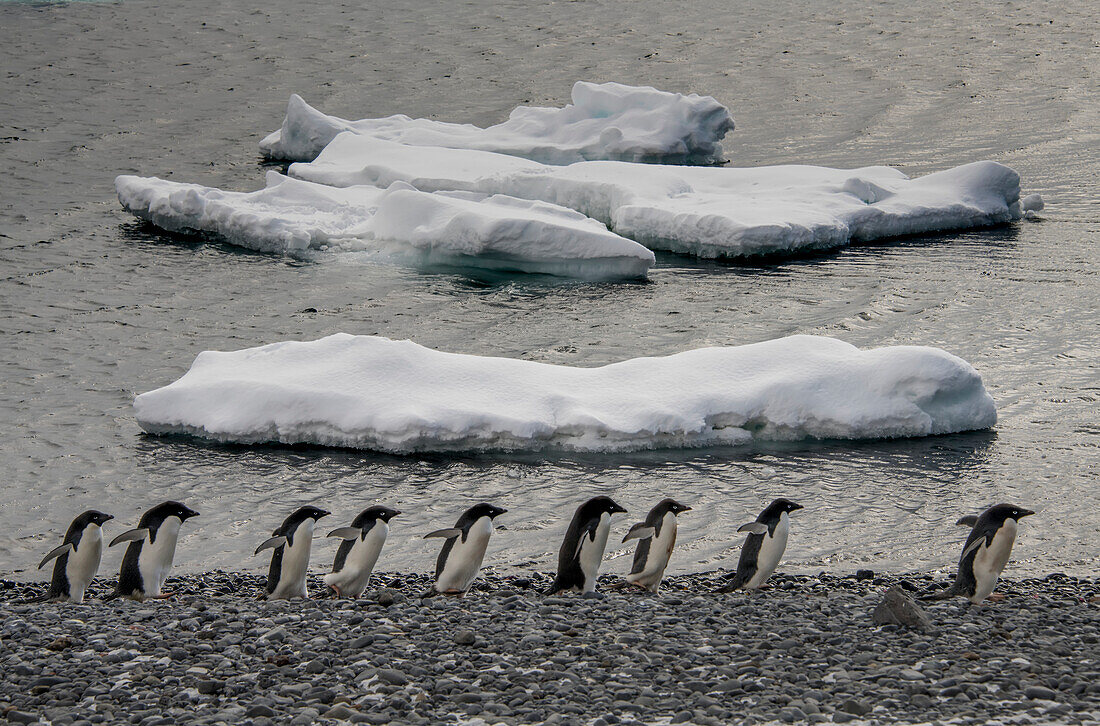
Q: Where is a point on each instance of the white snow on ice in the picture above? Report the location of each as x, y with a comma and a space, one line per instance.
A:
704, 211
455, 228
397, 396
605, 121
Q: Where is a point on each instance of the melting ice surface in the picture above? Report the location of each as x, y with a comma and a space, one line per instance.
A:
397, 396
704, 211
605, 121
462, 228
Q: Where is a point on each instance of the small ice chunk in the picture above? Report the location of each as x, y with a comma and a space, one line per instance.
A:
397, 396
605, 121
452, 228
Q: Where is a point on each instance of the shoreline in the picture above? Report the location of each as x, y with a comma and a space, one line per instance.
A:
804, 651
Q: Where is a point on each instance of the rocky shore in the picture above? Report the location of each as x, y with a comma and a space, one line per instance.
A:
805, 650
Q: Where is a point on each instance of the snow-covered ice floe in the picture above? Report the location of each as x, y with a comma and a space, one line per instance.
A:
397, 396
605, 121
452, 228
704, 211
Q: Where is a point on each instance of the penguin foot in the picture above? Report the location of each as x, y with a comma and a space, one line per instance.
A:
336, 590
995, 597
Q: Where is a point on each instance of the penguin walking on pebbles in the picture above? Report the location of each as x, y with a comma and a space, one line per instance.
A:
581, 552
291, 543
656, 537
358, 553
77, 557
763, 547
152, 548
459, 561
986, 552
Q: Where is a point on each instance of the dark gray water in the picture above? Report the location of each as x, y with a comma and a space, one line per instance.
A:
96, 307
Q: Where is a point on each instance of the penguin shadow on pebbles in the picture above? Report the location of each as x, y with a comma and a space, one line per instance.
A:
460, 558
656, 539
77, 559
151, 551
985, 554
763, 548
581, 552
291, 543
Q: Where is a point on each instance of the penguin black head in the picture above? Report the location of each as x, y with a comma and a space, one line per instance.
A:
91, 517
155, 516
1000, 512
372, 514
303, 513
776, 508
671, 505
484, 509
597, 506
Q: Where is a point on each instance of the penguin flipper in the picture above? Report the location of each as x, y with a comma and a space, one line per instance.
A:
444, 533
978, 542
346, 533
134, 535
55, 552
968, 521
641, 530
273, 543
753, 528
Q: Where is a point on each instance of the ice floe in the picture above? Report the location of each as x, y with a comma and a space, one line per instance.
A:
704, 211
397, 396
454, 228
605, 121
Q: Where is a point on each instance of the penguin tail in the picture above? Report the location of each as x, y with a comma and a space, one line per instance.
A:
430, 592
942, 594
735, 583
113, 596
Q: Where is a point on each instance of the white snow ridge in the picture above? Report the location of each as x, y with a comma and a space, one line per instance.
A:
454, 228
605, 121
704, 211
396, 396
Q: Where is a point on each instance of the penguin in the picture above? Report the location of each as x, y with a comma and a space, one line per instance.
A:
986, 551
152, 548
77, 558
291, 543
763, 547
358, 553
656, 537
581, 552
460, 559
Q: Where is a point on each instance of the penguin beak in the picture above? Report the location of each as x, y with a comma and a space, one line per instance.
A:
500, 511
1024, 513
685, 508
190, 513
394, 513
617, 508
107, 517
796, 506
322, 513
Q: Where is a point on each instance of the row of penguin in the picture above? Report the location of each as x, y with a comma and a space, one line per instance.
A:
152, 545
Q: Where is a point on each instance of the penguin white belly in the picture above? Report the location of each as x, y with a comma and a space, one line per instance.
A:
465, 558
84, 562
295, 566
990, 561
353, 577
771, 552
155, 560
660, 550
592, 550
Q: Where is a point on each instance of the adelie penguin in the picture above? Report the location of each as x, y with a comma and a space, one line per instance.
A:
763, 547
581, 552
358, 553
460, 560
152, 548
986, 552
291, 543
656, 537
77, 558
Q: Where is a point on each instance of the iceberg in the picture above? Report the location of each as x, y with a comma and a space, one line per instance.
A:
454, 228
396, 396
605, 121
704, 211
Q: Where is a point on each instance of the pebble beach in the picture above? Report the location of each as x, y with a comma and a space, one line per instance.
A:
804, 651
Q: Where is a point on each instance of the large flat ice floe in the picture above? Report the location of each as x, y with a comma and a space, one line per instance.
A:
605, 121
446, 228
704, 211
396, 396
